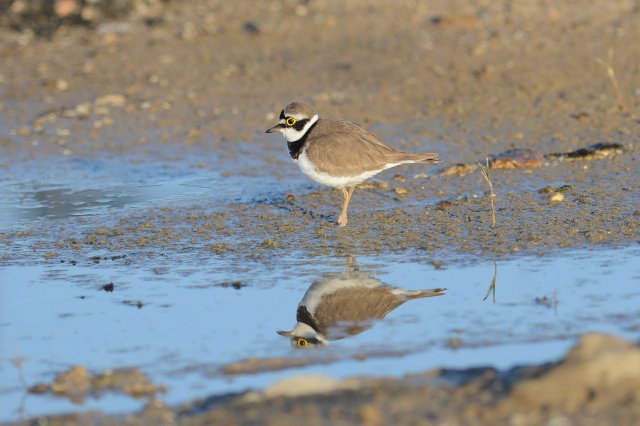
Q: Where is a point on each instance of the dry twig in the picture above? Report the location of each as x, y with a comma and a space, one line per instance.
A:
608, 65
18, 362
486, 173
492, 285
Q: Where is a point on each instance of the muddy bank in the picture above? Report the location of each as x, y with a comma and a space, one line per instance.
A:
468, 81
596, 383
566, 204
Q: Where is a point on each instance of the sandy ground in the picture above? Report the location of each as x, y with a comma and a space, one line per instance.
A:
467, 79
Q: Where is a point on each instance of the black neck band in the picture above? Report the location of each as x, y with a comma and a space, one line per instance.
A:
305, 317
295, 148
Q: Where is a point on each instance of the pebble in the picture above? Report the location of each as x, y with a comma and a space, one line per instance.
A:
459, 170
82, 110
515, 158
251, 28
113, 28
61, 85
455, 343
112, 100
443, 205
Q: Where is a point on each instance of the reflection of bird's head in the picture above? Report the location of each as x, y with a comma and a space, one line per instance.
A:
307, 331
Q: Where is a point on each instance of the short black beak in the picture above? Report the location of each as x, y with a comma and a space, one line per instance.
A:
275, 128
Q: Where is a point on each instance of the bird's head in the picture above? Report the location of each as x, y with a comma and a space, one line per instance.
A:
302, 336
295, 121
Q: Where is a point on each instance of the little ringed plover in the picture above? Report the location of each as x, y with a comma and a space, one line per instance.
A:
338, 153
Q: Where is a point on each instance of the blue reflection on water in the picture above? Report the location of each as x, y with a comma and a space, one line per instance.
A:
182, 325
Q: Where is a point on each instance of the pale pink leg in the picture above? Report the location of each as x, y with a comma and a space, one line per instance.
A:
342, 220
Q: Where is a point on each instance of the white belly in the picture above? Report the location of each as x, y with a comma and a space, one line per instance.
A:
335, 181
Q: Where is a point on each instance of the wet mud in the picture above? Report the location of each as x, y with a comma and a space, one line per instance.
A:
596, 383
133, 143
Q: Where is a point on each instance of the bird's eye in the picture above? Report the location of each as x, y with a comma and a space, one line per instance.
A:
302, 342
291, 121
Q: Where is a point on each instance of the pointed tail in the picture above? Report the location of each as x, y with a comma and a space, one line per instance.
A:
426, 157
419, 294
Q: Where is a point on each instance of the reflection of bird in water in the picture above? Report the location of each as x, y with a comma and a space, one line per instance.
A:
344, 305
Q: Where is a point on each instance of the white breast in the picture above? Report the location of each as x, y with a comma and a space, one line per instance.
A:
326, 179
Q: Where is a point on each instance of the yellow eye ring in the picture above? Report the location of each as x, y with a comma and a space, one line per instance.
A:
291, 121
302, 342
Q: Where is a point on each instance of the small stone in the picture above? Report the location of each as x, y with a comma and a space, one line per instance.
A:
61, 85
39, 388
301, 385
88, 67
76, 380
557, 197
377, 185
251, 28
596, 151
443, 205
269, 243
455, 343
581, 116
515, 158
64, 8
82, 110
401, 191
112, 100
112, 28
459, 170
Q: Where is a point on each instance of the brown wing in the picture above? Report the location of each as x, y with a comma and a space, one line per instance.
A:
356, 305
341, 148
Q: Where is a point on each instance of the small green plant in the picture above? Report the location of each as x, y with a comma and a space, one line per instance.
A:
608, 65
485, 169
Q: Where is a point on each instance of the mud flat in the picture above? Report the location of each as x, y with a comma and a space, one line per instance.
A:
138, 191
596, 383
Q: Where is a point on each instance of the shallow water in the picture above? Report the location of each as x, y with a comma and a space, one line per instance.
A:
64, 188
188, 324
183, 318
